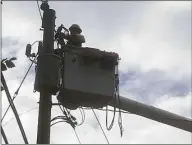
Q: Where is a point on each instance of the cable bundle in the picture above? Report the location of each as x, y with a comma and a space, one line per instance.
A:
115, 100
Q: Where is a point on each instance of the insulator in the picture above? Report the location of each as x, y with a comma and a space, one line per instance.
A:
28, 50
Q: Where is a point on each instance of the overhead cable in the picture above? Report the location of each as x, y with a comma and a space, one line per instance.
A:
101, 126
39, 9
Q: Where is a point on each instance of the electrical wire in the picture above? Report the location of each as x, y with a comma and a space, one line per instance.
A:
17, 91
68, 118
89, 108
39, 10
114, 101
13, 108
23, 114
57, 122
19, 115
77, 136
113, 119
101, 126
116, 97
58, 117
82, 115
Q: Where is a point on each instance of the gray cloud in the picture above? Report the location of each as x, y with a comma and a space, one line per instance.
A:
9, 41
148, 86
103, 24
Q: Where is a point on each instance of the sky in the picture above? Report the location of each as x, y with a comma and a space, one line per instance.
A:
153, 39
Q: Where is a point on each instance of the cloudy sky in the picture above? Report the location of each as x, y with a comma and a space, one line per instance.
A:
153, 40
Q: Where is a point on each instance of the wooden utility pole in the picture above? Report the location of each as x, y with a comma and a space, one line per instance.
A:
43, 134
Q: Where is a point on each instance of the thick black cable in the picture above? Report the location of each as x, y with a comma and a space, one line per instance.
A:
13, 108
115, 107
58, 117
16, 93
70, 116
57, 122
115, 99
101, 126
119, 102
114, 113
4, 136
120, 117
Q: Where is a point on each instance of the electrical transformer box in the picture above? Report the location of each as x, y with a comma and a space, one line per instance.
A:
89, 77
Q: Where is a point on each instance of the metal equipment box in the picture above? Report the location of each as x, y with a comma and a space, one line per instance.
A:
89, 77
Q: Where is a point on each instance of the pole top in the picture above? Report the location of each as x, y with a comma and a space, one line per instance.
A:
44, 6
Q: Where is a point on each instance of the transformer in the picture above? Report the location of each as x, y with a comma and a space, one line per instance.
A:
48, 73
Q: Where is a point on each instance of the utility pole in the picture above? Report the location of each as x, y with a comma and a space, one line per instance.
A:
48, 24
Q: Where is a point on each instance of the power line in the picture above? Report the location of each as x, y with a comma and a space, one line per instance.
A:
16, 93
39, 9
77, 136
63, 111
23, 114
89, 108
19, 115
57, 122
100, 126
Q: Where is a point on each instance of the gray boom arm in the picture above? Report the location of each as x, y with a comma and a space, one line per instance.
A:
155, 114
